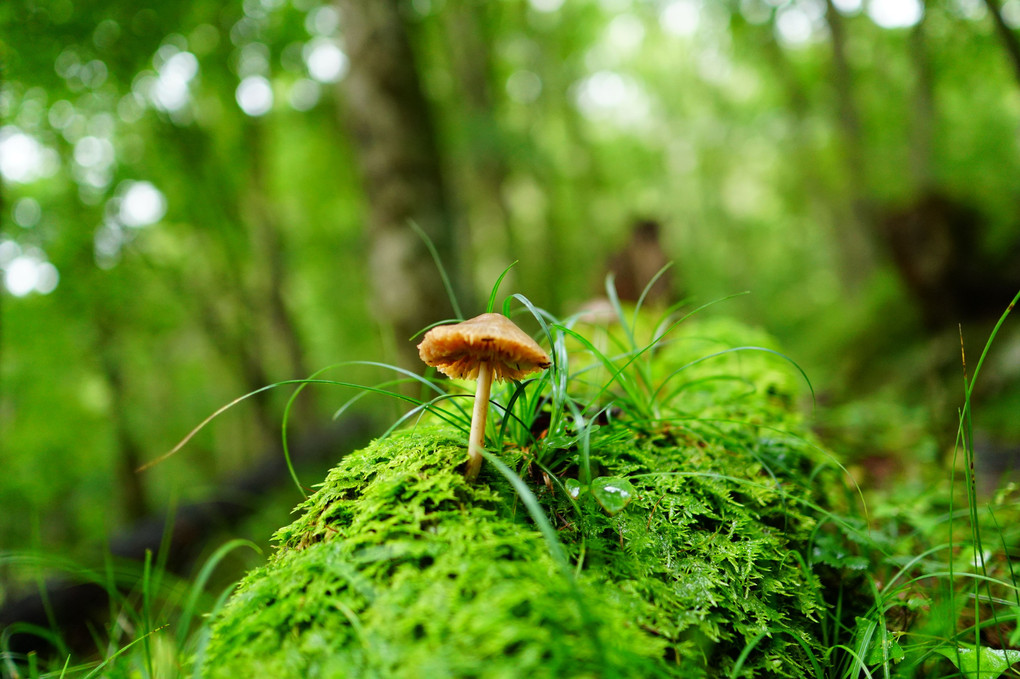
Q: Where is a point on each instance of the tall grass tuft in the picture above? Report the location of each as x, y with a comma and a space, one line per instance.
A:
155, 627
944, 590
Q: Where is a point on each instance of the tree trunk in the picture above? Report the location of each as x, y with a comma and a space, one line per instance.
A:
1009, 40
396, 150
134, 498
492, 234
280, 325
857, 227
923, 121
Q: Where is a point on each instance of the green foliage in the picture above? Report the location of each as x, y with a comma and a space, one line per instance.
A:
932, 589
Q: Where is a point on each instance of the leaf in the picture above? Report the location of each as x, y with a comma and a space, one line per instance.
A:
573, 487
560, 442
918, 602
980, 663
882, 647
890, 650
613, 493
830, 550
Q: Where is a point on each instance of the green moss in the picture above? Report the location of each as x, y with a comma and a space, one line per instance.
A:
397, 567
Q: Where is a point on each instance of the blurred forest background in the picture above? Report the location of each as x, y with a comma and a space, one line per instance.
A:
202, 198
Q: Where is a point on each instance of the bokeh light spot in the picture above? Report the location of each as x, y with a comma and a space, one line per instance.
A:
141, 204
793, 26
106, 34
27, 212
611, 95
625, 33
170, 90
895, 13
523, 86
30, 273
326, 62
545, 5
1011, 13
20, 276
22, 158
93, 152
253, 59
9, 251
848, 7
304, 94
681, 18
254, 95
47, 278
323, 20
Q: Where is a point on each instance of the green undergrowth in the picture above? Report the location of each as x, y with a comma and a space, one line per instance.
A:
652, 505
686, 545
943, 583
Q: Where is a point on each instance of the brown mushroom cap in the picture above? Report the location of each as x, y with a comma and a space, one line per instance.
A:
458, 349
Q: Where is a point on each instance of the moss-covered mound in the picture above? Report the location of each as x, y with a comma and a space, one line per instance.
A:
398, 568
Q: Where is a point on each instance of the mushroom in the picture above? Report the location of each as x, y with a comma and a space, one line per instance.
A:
485, 347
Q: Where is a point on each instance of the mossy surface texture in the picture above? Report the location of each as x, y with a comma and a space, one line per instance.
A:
397, 567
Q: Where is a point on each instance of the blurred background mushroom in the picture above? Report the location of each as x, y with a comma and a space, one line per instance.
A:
635, 265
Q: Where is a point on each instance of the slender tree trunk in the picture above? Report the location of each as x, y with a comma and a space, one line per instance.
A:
1009, 38
923, 122
567, 190
228, 329
396, 150
857, 230
229, 310
492, 233
804, 152
134, 499
271, 283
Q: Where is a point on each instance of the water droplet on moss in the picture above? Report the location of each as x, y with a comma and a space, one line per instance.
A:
573, 488
613, 493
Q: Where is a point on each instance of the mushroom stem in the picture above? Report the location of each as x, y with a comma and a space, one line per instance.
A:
477, 437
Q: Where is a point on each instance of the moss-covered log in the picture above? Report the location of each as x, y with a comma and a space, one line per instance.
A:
398, 567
